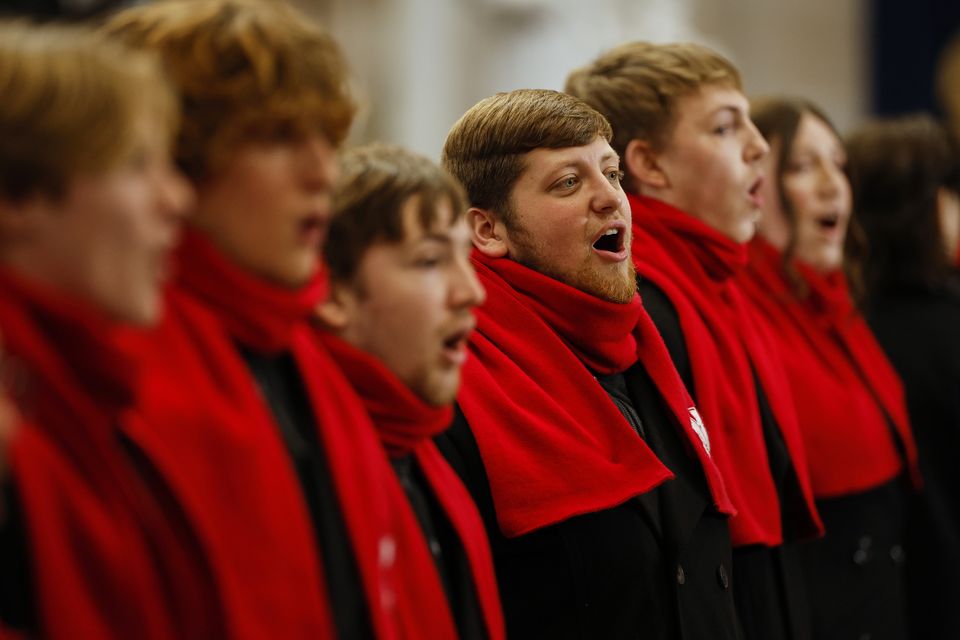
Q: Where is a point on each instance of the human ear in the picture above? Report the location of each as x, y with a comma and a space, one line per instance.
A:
642, 163
486, 232
335, 312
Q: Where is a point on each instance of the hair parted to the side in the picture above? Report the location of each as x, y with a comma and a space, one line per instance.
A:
777, 118
73, 102
376, 182
246, 70
485, 148
637, 85
897, 166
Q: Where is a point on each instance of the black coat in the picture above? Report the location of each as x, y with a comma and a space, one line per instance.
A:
920, 332
771, 597
656, 567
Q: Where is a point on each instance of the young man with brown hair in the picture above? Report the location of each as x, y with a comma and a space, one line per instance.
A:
90, 206
691, 158
587, 459
266, 445
399, 313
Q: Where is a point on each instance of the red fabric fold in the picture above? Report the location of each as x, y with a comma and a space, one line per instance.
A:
406, 425
553, 444
105, 559
694, 266
845, 387
207, 428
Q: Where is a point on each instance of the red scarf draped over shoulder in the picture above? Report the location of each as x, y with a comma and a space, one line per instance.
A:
406, 425
553, 444
207, 428
103, 555
693, 265
845, 388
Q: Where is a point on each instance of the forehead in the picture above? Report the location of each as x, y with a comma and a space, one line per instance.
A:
544, 160
440, 218
814, 132
708, 100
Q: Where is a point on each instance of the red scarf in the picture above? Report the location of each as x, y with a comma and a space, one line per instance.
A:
845, 387
553, 444
407, 425
94, 526
209, 428
693, 265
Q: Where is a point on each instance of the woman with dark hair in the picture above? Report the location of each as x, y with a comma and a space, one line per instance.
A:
802, 277
906, 180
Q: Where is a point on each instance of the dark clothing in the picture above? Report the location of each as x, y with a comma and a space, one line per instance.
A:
16, 604
855, 571
658, 566
770, 592
279, 381
446, 549
920, 332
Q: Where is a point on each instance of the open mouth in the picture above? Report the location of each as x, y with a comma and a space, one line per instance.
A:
455, 345
313, 229
754, 192
611, 241
829, 222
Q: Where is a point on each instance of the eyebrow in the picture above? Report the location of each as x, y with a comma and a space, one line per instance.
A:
607, 157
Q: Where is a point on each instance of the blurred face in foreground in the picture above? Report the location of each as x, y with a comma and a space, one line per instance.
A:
268, 207
109, 236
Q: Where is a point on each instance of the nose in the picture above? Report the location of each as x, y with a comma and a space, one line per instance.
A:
176, 194
466, 290
608, 198
756, 147
318, 162
832, 180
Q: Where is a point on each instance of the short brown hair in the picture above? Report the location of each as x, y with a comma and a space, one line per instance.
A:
376, 181
636, 86
72, 102
897, 166
246, 69
485, 149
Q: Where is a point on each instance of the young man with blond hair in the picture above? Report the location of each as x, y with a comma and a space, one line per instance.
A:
264, 443
690, 156
574, 434
90, 206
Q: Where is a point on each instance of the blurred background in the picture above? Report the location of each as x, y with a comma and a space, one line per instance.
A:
419, 64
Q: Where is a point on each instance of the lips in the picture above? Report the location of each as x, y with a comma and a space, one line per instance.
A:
754, 192
610, 243
455, 342
313, 229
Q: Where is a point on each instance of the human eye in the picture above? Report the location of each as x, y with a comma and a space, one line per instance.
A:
566, 183
615, 176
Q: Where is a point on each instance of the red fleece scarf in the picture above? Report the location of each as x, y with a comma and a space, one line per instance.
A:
845, 387
94, 527
406, 425
208, 429
693, 265
553, 444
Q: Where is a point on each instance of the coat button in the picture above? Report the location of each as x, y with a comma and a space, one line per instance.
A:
897, 554
862, 554
722, 577
681, 576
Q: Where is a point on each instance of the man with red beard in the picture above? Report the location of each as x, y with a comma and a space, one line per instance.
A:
574, 434
266, 447
399, 314
691, 160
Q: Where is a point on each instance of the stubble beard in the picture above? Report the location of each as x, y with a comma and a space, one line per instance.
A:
615, 282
